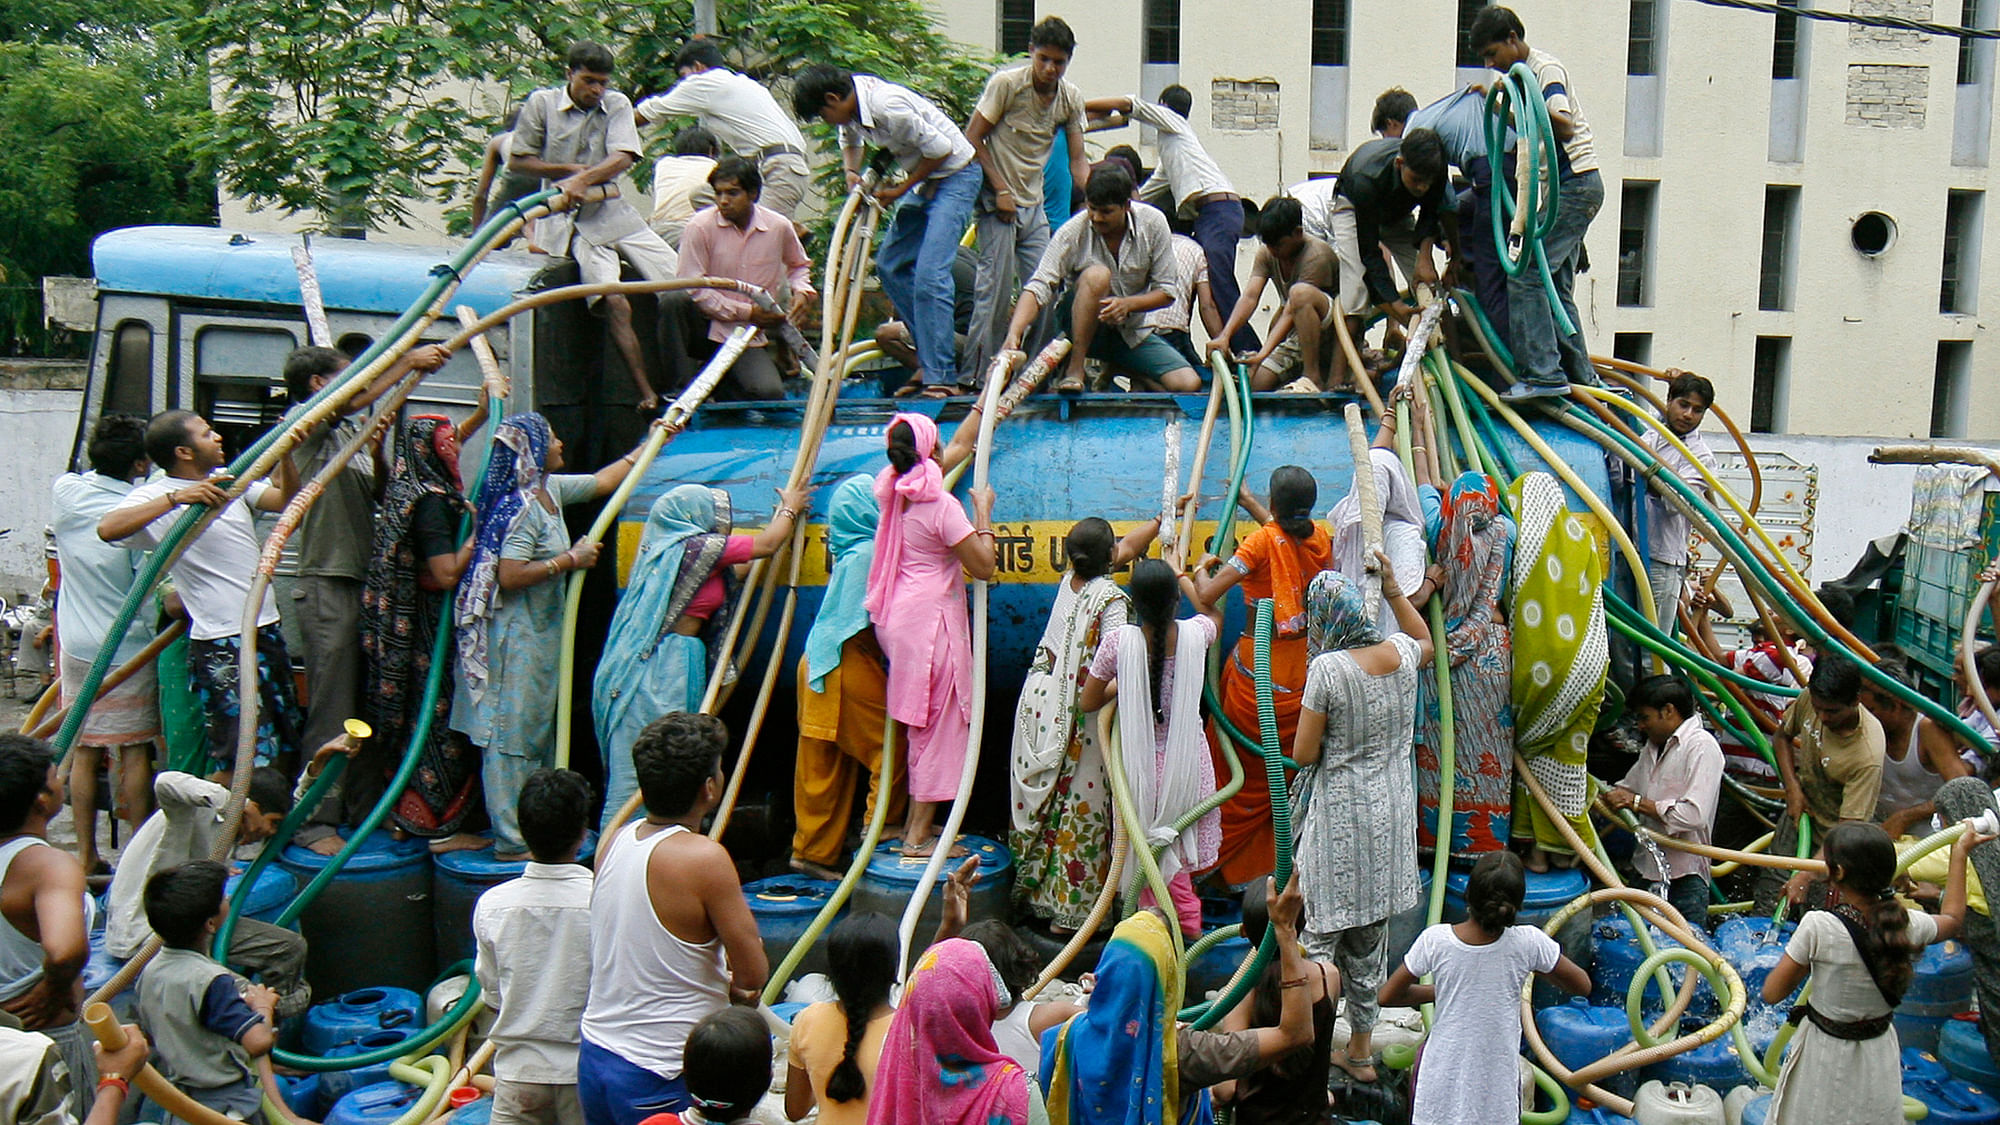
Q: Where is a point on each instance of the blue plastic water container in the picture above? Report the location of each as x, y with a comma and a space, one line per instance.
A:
1747, 944
1547, 893
365, 1011
1619, 956
1595, 1115
1715, 1065
1758, 1110
890, 880
1940, 987
479, 1112
1952, 1102
1922, 1066
302, 1095
1213, 968
788, 1010
372, 923
275, 889
785, 907
379, 1104
335, 1084
459, 878
1962, 1051
1580, 1034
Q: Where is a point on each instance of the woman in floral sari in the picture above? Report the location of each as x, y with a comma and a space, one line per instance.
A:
1560, 660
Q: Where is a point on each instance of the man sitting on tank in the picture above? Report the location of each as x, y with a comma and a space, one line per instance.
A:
743, 239
1112, 264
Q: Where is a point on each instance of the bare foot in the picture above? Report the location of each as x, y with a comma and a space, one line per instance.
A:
924, 849
1536, 861
327, 845
813, 870
462, 842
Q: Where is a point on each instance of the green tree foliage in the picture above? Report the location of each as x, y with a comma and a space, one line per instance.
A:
94, 141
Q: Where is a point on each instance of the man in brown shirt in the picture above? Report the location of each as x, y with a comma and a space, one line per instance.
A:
1829, 751
1301, 339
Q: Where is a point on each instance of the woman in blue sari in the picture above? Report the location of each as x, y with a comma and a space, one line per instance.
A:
678, 598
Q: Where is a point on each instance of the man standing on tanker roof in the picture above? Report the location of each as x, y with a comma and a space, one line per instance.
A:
579, 135
743, 116
1013, 132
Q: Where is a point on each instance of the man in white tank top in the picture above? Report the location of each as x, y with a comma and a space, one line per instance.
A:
671, 937
1918, 756
44, 933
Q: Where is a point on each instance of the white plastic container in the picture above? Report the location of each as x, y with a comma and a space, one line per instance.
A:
1677, 1104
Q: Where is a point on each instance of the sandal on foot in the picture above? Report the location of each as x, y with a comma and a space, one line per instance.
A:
1362, 1071
1071, 384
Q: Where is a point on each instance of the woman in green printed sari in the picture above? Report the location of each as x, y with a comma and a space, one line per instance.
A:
1561, 661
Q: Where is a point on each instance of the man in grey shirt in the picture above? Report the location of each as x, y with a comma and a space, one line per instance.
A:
1115, 263
579, 135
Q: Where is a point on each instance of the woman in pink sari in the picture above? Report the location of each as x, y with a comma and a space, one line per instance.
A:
924, 548
940, 1064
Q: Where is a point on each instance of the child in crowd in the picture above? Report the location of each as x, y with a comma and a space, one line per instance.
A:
1688, 398
836, 1043
1479, 966
728, 1070
1846, 1064
1673, 788
1018, 1031
207, 1023
533, 962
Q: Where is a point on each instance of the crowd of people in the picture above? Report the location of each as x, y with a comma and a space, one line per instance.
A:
620, 990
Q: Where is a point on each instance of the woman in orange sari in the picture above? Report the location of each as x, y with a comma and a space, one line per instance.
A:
1277, 561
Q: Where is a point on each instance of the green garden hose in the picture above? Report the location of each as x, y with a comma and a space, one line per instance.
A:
1535, 215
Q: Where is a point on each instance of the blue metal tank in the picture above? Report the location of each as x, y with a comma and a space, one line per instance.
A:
1952, 1102
364, 1011
1547, 893
1580, 1034
379, 1104
457, 881
372, 923
1747, 944
891, 879
1962, 1050
335, 1084
784, 908
1940, 988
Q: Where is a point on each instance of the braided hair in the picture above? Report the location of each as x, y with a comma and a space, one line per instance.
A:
1864, 861
1156, 594
861, 961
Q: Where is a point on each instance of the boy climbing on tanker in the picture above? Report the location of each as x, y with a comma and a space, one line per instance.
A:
208, 1024
1829, 751
672, 940
1547, 359
1673, 789
1688, 398
533, 962
1301, 339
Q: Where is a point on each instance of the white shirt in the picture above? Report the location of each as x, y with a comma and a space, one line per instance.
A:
1469, 1071
907, 124
1190, 266
1316, 205
1186, 169
96, 576
184, 827
213, 574
1554, 77
1144, 262
1667, 529
533, 966
735, 107
1683, 779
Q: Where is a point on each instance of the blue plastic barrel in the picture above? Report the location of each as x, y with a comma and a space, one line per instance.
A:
459, 878
1962, 1050
372, 923
1595, 1115
1715, 1065
478, 1113
1952, 1102
1213, 969
784, 908
1547, 893
302, 1095
1748, 944
379, 1104
1940, 988
1406, 925
365, 1011
1580, 1034
891, 879
335, 1084
1619, 956
1921, 1066
275, 889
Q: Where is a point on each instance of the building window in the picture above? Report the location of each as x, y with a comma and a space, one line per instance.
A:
1959, 290
1162, 31
1017, 19
1467, 57
1329, 33
1949, 390
1642, 38
1785, 43
1774, 278
1770, 374
1633, 347
1635, 242
1968, 58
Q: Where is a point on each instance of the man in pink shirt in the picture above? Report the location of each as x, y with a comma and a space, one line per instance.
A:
735, 238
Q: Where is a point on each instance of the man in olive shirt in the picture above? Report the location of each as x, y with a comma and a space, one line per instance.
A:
1829, 751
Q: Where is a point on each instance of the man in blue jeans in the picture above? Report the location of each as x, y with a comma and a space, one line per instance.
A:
1545, 359
941, 182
